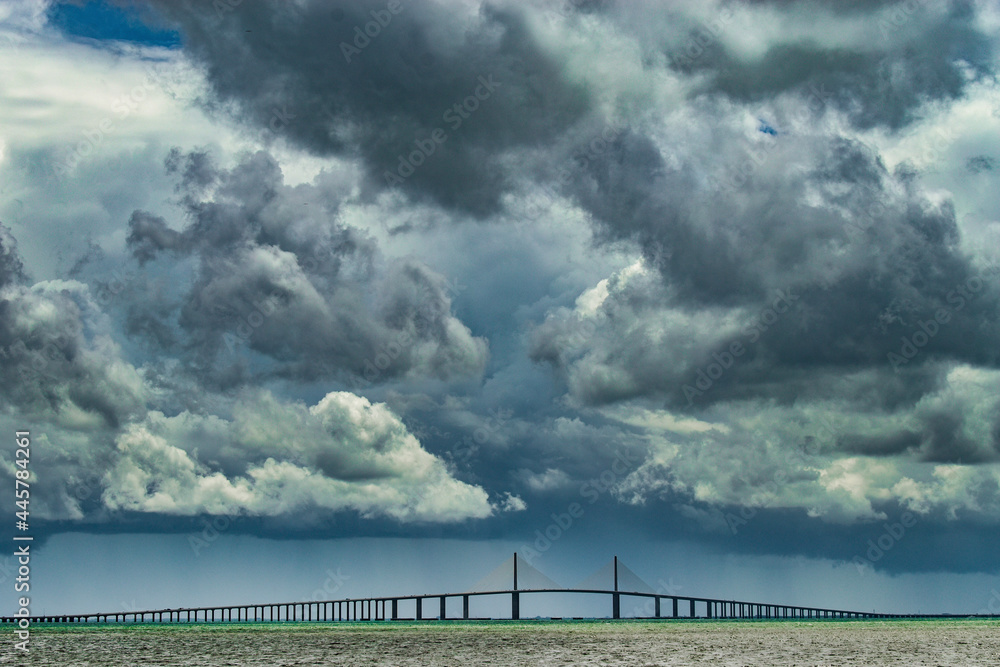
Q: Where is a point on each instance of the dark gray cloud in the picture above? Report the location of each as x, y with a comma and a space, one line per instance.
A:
980, 163
800, 263
11, 266
914, 52
59, 361
279, 274
712, 252
308, 73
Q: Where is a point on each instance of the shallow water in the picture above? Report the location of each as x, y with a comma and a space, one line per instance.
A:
546, 643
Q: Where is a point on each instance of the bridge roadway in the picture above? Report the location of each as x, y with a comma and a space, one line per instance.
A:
387, 609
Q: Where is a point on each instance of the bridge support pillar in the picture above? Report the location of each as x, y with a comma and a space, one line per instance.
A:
708, 609
465, 607
515, 606
420, 614
656, 607
444, 609
616, 606
692, 608
675, 607
395, 609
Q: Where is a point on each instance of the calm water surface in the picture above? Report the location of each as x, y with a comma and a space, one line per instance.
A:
547, 643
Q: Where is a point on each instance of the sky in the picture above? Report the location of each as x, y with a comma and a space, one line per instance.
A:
314, 299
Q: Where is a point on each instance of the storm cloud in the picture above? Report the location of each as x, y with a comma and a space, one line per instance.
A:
448, 262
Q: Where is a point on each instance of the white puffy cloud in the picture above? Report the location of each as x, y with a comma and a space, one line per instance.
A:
955, 491
512, 503
551, 479
275, 458
828, 459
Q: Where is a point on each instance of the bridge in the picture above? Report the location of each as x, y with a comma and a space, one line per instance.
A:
624, 584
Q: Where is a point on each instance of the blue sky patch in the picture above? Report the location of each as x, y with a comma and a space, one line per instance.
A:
106, 22
766, 128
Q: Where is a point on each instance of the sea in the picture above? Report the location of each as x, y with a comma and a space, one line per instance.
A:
523, 643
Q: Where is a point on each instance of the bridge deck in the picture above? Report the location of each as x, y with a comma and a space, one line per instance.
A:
387, 608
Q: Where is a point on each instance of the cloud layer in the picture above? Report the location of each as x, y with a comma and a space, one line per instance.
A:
276, 459
434, 262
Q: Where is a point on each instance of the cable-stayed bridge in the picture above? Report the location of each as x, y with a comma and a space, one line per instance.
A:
514, 578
